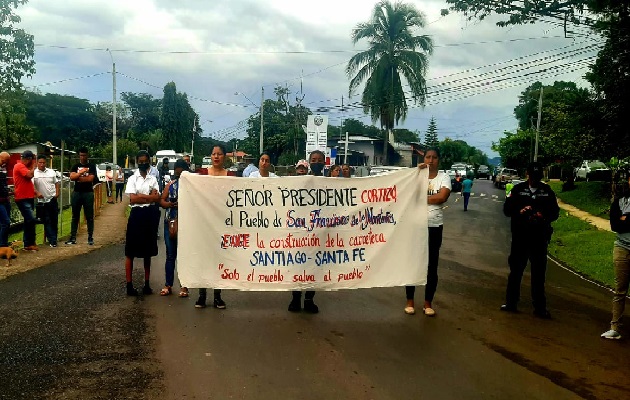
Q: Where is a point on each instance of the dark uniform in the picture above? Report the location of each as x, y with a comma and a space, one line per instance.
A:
532, 211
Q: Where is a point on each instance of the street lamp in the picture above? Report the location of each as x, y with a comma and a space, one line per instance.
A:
262, 102
114, 155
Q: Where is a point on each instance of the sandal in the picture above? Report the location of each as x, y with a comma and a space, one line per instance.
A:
166, 291
183, 292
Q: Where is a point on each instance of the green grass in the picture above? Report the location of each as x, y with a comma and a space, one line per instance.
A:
584, 248
592, 197
39, 230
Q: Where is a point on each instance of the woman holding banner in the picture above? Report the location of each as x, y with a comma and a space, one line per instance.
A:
264, 162
438, 193
216, 169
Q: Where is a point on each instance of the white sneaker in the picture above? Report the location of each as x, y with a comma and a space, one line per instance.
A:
611, 334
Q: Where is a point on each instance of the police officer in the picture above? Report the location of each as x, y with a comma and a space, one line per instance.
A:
532, 205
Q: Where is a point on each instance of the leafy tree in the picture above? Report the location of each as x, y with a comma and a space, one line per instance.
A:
57, 117
515, 149
145, 112
405, 136
394, 53
178, 119
124, 148
431, 136
16, 54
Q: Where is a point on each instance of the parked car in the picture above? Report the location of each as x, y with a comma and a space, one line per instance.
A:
506, 174
483, 172
100, 170
593, 170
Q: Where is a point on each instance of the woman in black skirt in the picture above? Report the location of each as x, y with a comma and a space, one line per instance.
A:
141, 240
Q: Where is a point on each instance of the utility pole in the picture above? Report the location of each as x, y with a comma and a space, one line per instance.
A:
114, 155
341, 131
538, 123
192, 144
262, 108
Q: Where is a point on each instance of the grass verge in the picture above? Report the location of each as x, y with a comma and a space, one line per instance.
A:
583, 248
592, 197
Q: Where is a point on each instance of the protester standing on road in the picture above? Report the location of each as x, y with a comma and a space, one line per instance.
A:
163, 171
250, 166
264, 162
532, 205
47, 192
169, 202
346, 172
439, 190
25, 197
120, 184
5, 201
141, 238
466, 188
216, 169
316, 161
301, 168
84, 176
335, 171
620, 223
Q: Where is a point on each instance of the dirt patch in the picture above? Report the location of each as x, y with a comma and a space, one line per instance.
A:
598, 222
109, 228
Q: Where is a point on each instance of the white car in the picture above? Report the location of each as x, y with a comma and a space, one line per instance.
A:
592, 170
101, 168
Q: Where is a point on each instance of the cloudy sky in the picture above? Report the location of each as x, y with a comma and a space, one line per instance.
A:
213, 49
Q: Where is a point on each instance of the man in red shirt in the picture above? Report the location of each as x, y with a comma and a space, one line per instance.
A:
25, 196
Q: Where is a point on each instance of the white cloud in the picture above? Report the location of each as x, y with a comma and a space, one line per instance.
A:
240, 45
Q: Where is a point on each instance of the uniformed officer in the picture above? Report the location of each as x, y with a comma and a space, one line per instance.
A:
532, 205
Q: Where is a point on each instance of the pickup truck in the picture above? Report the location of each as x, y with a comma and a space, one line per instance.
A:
505, 175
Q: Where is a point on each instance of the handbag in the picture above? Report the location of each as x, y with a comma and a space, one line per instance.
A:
172, 228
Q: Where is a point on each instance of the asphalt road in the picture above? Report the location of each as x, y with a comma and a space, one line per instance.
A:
68, 331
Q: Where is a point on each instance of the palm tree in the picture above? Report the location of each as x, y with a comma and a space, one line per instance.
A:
394, 51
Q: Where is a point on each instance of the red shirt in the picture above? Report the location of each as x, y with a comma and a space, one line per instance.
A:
24, 188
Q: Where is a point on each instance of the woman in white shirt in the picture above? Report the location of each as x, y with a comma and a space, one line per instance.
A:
141, 238
438, 192
264, 162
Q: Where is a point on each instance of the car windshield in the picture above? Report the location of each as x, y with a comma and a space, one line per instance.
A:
597, 164
509, 171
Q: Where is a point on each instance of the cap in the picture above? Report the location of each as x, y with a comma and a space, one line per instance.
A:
180, 163
28, 154
108, 168
535, 167
302, 163
165, 159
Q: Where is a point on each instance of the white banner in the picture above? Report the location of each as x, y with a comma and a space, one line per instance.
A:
303, 232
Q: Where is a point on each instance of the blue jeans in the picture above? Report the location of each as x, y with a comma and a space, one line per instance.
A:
466, 198
26, 207
5, 223
171, 256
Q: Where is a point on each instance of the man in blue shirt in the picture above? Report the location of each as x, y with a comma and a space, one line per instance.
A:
466, 188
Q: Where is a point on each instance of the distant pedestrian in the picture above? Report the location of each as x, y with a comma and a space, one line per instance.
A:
141, 237
466, 188
532, 205
168, 201
620, 223
5, 201
439, 190
120, 184
84, 176
163, 172
109, 183
47, 192
25, 197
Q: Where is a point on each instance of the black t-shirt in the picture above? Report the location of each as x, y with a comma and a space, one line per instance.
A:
85, 187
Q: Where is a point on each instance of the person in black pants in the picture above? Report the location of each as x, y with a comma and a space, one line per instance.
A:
317, 160
120, 184
532, 205
83, 174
